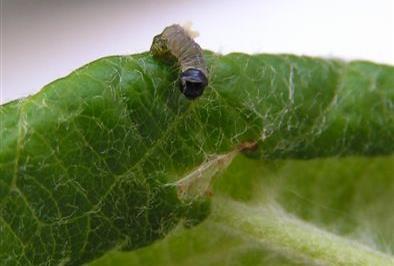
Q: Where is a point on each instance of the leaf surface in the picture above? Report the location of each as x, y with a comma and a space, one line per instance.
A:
87, 164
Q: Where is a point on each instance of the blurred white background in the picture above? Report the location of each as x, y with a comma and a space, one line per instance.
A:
42, 40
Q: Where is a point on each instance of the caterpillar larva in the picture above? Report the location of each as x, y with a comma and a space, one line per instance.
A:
175, 43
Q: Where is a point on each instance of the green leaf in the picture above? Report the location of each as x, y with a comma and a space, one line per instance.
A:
319, 212
92, 162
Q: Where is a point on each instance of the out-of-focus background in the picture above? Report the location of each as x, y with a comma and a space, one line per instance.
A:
42, 40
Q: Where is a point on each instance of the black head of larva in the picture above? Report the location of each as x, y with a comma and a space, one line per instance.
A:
193, 82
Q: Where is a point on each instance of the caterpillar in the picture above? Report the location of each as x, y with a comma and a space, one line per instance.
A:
176, 44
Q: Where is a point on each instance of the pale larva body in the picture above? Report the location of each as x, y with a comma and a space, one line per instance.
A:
175, 43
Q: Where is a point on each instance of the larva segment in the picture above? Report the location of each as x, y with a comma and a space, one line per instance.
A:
174, 43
